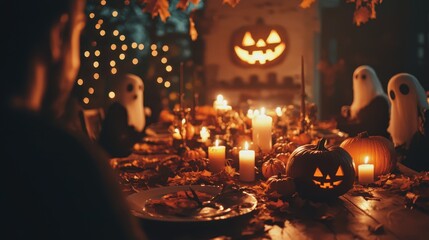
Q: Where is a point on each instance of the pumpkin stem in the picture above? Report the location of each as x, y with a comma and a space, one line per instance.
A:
363, 134
321, 145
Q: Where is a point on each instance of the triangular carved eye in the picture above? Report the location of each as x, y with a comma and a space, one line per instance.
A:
274, 37
318, 173
248, 40
339, 172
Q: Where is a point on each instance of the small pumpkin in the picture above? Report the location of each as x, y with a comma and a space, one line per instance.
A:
380, 151
191, 154
272, 167
281, 184
284, 147
284, 157
321, 173
301, 139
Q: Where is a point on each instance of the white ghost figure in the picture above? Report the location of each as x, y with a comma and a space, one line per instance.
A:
408, 101
366, 87
130, 95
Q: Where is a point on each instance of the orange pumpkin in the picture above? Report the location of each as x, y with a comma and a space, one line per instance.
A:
378, 149
281, 184
192, 154
273, 167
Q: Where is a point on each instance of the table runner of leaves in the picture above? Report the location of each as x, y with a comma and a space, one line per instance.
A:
140, 172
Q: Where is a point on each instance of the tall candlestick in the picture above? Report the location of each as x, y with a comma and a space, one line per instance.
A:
303, 122
194, 95
302, 88
247, 164
261, 131
216, 157
181, 86
366, 172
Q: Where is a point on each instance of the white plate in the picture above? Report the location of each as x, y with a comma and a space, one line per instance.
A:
241, 203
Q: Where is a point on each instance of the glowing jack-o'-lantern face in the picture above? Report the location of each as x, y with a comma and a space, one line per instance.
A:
259, 45
327, 181
321, 173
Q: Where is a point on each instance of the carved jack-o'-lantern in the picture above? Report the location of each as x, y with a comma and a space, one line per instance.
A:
259, 44
321, 173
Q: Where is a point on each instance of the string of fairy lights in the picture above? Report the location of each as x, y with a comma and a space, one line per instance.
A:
110, 52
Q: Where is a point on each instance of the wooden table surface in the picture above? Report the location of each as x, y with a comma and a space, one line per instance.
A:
382, 215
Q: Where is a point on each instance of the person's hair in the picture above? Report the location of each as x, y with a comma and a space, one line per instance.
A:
25, 30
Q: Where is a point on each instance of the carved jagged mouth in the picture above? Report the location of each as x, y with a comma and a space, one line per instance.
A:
327, 184
259, 55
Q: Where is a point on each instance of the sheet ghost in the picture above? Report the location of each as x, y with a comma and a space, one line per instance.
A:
125, 119
408, 100
408, 120
130, 95
369, 110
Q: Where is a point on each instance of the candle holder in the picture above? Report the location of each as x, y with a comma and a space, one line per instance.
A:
181, 119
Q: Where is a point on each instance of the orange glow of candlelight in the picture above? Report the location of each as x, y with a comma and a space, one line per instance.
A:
246, 146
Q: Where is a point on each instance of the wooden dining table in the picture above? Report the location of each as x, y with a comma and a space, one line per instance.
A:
396, 207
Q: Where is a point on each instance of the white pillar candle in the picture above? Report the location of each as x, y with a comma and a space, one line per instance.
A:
216, 157
366, 172
261, 131
204, 134
247, 164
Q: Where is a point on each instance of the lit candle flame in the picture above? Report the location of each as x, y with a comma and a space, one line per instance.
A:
219, 98
217, 143
183, 121
246, 146
262, 111
366, 159
279, 111
250, 113
256, 113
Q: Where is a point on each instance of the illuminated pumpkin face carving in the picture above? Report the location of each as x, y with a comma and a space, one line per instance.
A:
321, 173
259, 45
327, 181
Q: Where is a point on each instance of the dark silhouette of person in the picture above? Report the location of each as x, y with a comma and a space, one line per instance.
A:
54, 184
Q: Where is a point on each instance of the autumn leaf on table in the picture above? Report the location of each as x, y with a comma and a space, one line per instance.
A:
157, 7
232, 3
306, 3
361, 15
183, 4
192, 30
364, 10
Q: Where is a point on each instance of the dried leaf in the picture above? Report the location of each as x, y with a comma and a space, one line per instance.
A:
364, 10
206, 173
378, 229
183, 4
157, 7
232, 3
192, 30
361, 15
274, 205
275, 232
306, 3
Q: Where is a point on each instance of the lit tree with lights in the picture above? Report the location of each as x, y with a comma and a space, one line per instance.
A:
121, 37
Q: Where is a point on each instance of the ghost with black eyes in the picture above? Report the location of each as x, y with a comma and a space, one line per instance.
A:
407, 119
125, 119
130, 95
369, 110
